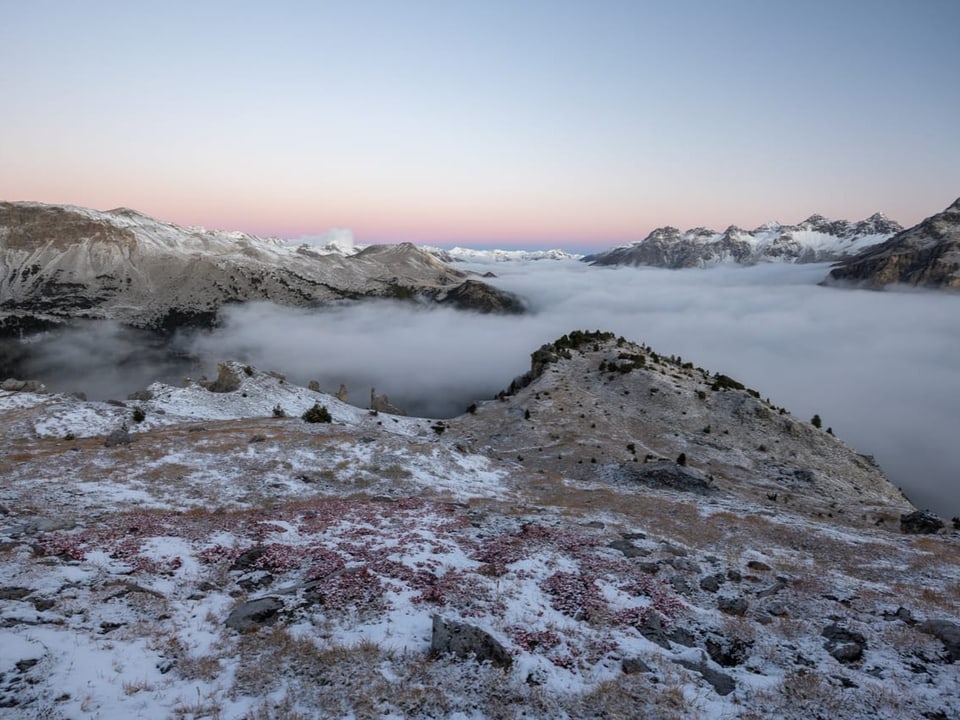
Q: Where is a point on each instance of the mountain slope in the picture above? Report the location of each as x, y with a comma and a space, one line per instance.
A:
371, 561
926, 255
59, 262
816, 239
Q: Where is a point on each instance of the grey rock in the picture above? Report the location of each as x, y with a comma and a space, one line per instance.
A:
631, 666
779, 585
710, 583
120, 436
464, 641
733, 605
141, 395
628, 548
721, 682
845, 645
947, 632
776, 608
254, 614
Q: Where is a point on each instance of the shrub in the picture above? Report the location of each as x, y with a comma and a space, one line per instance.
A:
139, 414
682, 459
317, 414
279, 412
816, 421
248, 370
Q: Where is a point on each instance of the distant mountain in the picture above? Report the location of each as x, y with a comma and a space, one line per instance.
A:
459, 254
816, 239
926, 255
59, 262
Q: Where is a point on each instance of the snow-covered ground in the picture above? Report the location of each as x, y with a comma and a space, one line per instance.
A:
227, 563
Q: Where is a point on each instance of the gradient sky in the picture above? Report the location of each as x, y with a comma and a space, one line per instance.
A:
506, 123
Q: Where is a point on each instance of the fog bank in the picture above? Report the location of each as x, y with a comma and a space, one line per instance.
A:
881, 369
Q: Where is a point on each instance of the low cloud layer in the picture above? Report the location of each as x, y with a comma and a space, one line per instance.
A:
881, 369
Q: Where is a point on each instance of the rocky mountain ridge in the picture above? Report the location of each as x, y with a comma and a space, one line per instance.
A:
816, 239
475, 255
61, 262
926, 255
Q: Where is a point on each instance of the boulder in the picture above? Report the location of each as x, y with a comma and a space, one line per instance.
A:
254, 614
464, 641
947, 632
733, 605
844, 645
120, 436
721, 682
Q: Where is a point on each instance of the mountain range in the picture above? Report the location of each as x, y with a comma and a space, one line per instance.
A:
926, 255
816, 239
59, 262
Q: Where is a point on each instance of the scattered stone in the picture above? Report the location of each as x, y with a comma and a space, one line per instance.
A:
247, 558
314, 385
733, 605
14, 385
721, 682
466, 641
141, 395
779, 585
727, 652
595, 524
667, 474
257, 438
628, 548
632, 666
920, 522
120, 436
254, 614
776, 608
684, 565
734, 576
946, 632
758, 566
844, 645
711, 583
14, 593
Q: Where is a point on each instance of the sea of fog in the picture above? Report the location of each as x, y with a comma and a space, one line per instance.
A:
881, 369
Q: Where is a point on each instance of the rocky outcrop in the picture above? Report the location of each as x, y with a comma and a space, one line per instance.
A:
816, 239
920, 522
926, 255
62, 262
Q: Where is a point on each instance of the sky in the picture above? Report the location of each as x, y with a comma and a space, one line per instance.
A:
506, 123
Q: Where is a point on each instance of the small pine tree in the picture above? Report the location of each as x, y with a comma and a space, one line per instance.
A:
317, 414
816, 421
526, 414
279, 412
682, 459
139, 414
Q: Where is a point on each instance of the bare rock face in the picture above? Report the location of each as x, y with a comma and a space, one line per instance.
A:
926, 255
62, 262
